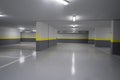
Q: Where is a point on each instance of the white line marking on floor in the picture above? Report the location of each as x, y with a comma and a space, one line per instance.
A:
8, 64
12, 62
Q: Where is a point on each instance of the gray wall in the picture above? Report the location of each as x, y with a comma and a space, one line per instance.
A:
9, 35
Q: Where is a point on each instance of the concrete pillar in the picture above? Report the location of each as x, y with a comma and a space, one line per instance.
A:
41, 36
102, 37
115, 47
45, 36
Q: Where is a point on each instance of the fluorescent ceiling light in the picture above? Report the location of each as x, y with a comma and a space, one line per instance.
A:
64, 2
21, 28
73, 31
2, 15
74, 18
33, 30
75, 25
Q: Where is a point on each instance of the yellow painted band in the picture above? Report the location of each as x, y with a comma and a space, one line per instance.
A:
112, 41
91, 39
88, 39
52, 39
108, 39
29, 37
74, 38
42, 39
45, 39
115, 41
38, 38
9, 38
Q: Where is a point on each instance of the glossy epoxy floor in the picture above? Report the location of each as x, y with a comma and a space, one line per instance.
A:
61, 62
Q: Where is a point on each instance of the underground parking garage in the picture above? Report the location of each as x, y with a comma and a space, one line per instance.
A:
59, 40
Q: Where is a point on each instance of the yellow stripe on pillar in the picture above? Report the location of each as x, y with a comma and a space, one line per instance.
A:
115, 41
103, 39
74, 38
38, 38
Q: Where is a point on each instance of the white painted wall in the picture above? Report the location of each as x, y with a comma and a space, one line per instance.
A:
45, 30
8, 32
52, 32
103, 32
28, 35
92, 34
42, 29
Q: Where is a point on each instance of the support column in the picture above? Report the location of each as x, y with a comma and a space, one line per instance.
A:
45, 36
115, 47
102, 37
42, 37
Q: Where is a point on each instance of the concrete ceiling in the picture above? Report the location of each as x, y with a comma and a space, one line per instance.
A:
58, 15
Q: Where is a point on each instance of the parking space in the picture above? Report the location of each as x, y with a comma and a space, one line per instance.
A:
12, 53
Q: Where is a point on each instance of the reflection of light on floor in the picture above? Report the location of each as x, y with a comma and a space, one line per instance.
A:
34, 54
73, 64
22, 58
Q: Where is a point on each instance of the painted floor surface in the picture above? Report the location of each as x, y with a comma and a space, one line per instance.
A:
61, 62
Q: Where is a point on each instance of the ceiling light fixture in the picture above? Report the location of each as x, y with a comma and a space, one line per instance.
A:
33, 30
2, 15
21, 28
73, 29
75, 25
74, 18
64, 2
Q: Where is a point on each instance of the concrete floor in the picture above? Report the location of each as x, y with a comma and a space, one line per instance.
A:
61, 62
